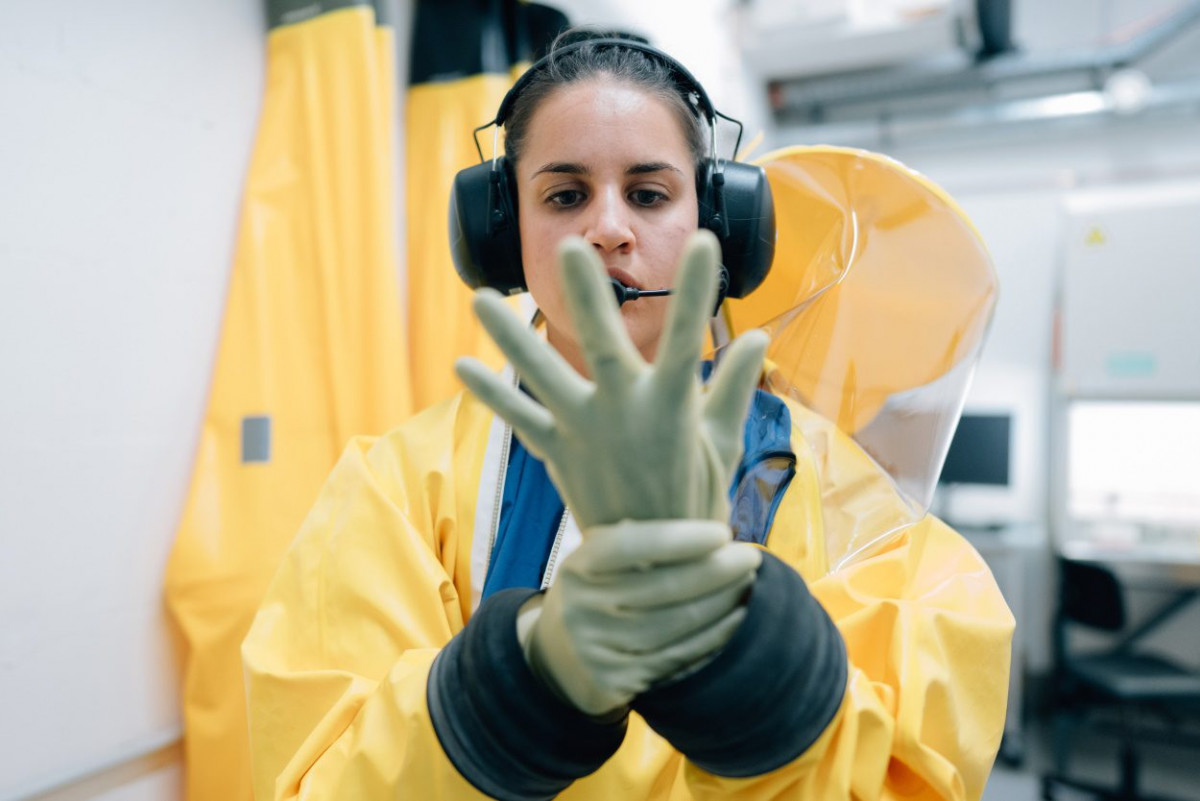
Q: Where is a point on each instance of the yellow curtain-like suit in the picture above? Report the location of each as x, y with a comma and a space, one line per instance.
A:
465, 56
312, 352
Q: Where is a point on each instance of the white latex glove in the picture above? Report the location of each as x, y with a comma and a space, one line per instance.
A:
636, 603
637, 441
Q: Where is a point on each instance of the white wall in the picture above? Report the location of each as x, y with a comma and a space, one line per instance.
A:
124, 137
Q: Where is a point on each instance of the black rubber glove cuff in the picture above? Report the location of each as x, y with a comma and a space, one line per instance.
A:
506, 732
768, 695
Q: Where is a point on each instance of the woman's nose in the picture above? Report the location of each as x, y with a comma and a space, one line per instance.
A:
609, 227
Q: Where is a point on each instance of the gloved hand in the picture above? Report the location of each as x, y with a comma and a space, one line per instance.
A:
637, 441
635, 603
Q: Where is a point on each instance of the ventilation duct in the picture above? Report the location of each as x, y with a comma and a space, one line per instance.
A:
813, 98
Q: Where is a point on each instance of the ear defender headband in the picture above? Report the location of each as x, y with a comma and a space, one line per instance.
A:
734, 198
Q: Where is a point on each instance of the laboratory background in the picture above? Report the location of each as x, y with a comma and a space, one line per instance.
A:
140, 166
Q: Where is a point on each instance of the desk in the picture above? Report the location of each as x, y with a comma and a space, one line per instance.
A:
1153, 565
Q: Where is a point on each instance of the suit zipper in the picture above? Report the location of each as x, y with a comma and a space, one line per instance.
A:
558, 538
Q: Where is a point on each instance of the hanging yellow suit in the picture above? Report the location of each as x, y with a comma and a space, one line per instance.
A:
312, 352
460, 71
389, 564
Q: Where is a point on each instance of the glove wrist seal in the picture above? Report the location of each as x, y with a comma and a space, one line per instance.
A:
768, 695
506, 732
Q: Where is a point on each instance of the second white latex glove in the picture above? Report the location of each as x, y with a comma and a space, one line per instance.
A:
636, 603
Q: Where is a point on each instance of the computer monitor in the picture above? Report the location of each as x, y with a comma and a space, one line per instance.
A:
979, 451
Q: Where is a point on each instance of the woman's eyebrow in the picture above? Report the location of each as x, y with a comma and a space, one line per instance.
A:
652, 166
572, 168
562, 167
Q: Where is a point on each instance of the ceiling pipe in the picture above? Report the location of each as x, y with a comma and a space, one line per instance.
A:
993, 118
815, 95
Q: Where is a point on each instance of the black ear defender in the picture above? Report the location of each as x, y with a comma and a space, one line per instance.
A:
485, 241
734, 199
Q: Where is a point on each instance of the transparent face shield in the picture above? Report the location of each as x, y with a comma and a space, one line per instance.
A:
877, 306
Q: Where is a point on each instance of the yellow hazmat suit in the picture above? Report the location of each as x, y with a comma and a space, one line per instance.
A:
390, 564
381, 578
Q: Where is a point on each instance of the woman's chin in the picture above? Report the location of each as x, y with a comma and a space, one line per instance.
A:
644, 326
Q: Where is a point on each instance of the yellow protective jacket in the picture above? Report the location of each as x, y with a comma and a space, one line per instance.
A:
388, 566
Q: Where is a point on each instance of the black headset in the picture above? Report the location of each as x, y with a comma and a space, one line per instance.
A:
734, 198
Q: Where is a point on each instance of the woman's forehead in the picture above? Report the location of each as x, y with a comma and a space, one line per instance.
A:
602, 95
603, 120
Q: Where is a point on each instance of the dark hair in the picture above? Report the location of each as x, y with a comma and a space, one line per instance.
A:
618, 64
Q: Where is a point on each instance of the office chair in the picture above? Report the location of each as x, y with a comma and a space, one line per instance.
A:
1142, 688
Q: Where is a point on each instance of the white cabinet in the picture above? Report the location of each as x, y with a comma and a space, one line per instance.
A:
1130, 294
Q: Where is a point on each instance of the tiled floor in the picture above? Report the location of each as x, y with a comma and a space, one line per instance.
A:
1167, 770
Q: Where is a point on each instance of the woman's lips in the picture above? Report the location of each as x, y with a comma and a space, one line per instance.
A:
624, 277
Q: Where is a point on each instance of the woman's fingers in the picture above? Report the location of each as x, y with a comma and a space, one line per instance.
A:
532, 422
644, 544
733, 563
547, 375
646, 632
599, 329
694, 648
683, 333
730, 392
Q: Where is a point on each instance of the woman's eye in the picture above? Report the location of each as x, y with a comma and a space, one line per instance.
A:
567, 198
647, 197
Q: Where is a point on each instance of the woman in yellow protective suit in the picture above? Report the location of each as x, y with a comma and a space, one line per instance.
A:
735, 601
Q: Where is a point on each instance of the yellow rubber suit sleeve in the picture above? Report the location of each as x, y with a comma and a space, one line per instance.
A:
336, 669
927, 637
